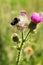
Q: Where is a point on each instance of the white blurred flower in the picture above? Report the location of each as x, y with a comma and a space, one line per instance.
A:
23, 23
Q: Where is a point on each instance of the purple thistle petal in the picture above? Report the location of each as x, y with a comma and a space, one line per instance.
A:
36, 18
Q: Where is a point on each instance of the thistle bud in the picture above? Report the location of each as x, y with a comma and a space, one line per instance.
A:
15, 21
32, 26
15, 38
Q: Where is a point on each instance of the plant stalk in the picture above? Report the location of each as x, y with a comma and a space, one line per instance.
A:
23, 40
19, 51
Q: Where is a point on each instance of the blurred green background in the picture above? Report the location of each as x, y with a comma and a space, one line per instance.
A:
8, 10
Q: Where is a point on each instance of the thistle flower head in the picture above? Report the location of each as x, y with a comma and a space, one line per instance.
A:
35, 18
23, 23
28, 50
23, 12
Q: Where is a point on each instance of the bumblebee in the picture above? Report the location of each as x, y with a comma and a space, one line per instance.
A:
15, 21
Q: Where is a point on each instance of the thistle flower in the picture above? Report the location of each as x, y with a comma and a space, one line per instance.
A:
22, 12
35, 19
23, 23
28, 50
15, 38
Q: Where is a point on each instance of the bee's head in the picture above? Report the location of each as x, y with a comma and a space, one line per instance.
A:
15, 21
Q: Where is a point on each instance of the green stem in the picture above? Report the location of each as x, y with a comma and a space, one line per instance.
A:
23, 40
19, 51
26, 36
